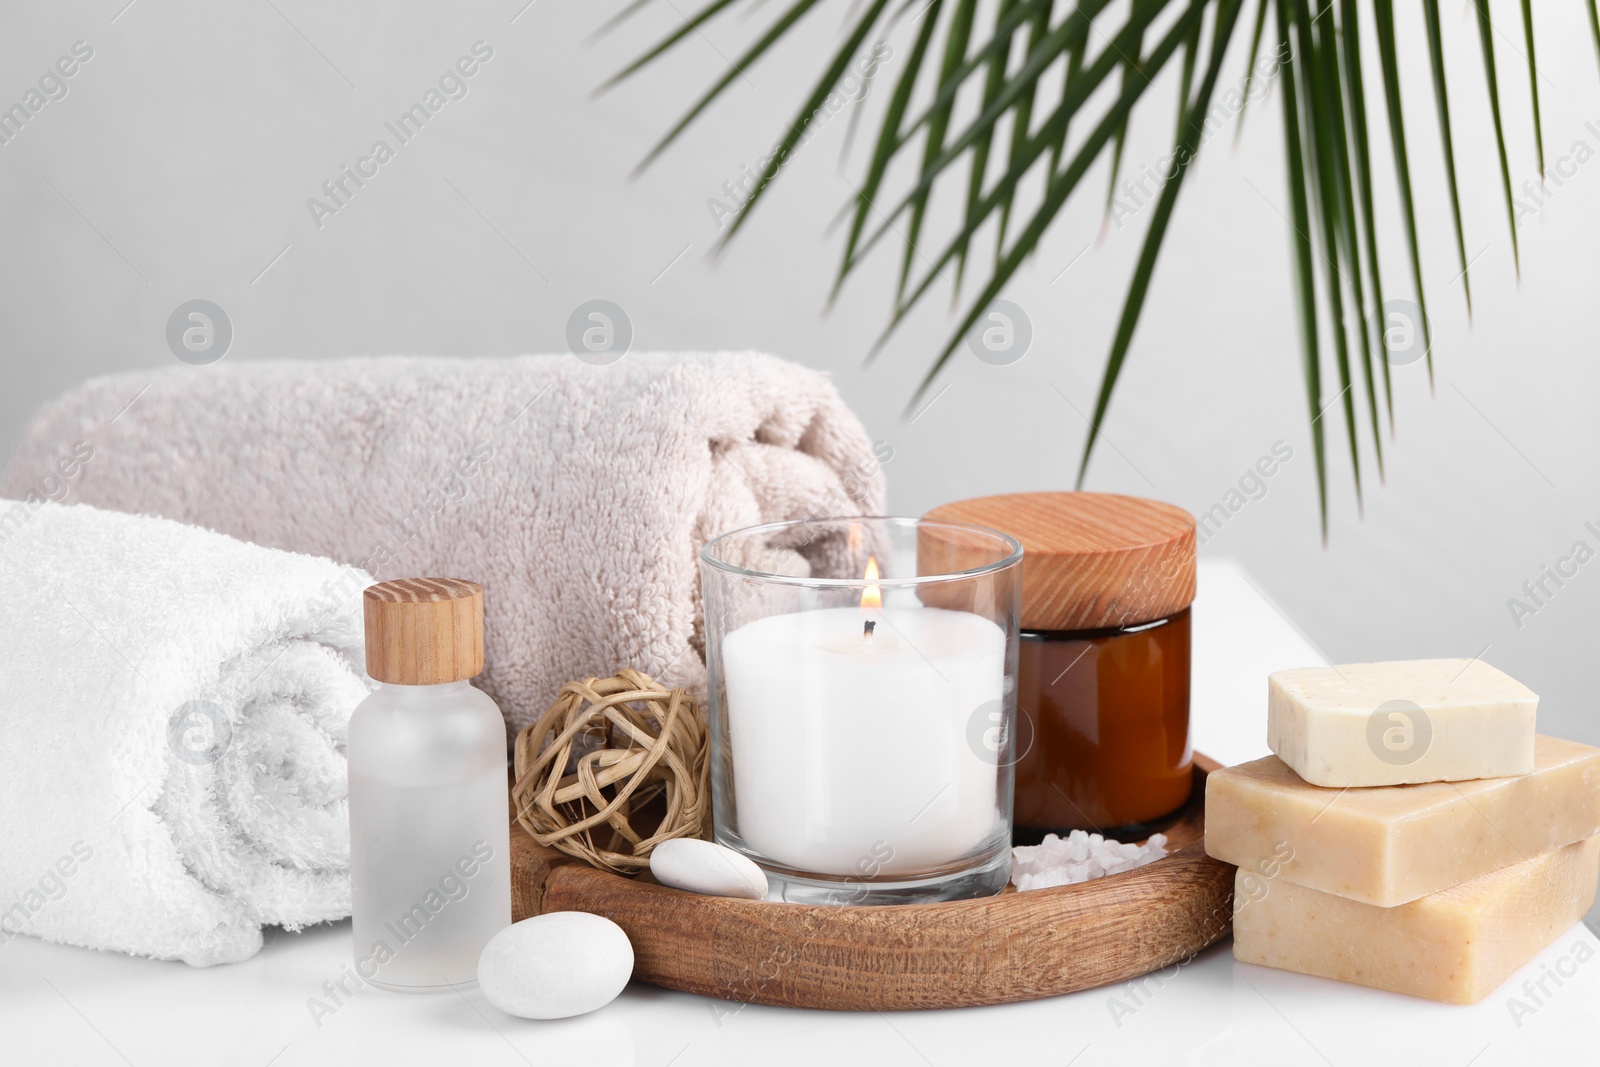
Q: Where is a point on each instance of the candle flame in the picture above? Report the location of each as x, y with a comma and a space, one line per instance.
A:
871, 596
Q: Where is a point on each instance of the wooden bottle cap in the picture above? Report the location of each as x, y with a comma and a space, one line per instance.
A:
424, 631
1091, 561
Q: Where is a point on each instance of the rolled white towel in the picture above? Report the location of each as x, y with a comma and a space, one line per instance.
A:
579, 495
173, 707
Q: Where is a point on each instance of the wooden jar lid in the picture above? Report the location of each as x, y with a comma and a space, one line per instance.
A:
1091, 561
424, 631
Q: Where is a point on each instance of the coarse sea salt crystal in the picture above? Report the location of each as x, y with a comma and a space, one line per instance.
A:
1079, 857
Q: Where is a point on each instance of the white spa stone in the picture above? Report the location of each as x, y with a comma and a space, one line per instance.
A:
555, 965
707, 867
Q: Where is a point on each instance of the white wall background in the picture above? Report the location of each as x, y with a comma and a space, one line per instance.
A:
179, 165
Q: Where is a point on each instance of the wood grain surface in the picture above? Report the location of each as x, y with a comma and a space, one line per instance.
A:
424, 631
1012, 947
1090, 561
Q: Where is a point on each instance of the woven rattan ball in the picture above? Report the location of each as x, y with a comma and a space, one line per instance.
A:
613, 768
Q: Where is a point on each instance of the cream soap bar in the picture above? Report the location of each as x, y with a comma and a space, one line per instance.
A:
1432, 720
1389, 845
1456, 945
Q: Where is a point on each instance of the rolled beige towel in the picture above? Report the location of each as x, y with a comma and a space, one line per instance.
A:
579, 495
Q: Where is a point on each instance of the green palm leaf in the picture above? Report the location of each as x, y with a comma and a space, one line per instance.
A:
1594, 25
785, 23
1355, 89
1327, 144
1226, 15
1320, 124
1441, 96
802, 120
955, 51
1191, 54
1250, 66
1060, 186
992, 84
690, 25
1077, 93
979, 59
1130, 69
1305, 274
1533, 80
1070, 74
1383, 17
1328, 35
1074, 32
1022, 117
1486, 39
889, 138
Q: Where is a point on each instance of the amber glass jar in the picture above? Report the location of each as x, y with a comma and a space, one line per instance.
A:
1103, 687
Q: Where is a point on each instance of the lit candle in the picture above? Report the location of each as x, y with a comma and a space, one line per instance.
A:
851, 735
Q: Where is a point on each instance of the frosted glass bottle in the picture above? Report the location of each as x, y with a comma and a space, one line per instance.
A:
430, 864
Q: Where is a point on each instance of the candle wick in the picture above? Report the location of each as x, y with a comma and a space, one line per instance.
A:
867, 628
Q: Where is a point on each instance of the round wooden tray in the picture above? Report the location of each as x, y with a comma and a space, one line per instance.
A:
1015, 946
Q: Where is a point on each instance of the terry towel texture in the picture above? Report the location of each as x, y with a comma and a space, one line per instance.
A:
173, 706
578, 495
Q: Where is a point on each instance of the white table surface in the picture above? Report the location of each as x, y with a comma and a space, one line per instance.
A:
73, 1006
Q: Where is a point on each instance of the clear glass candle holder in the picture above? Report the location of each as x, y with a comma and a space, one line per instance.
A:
863, 695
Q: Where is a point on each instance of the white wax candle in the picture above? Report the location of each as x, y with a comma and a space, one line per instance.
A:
851, 753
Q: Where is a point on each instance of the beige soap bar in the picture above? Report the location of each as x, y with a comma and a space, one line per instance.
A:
1456, 945
1392, 844
1431, 720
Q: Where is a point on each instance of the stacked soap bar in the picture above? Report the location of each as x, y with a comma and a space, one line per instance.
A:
1432, 720
1357, 865
1390, 845
1457, 945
